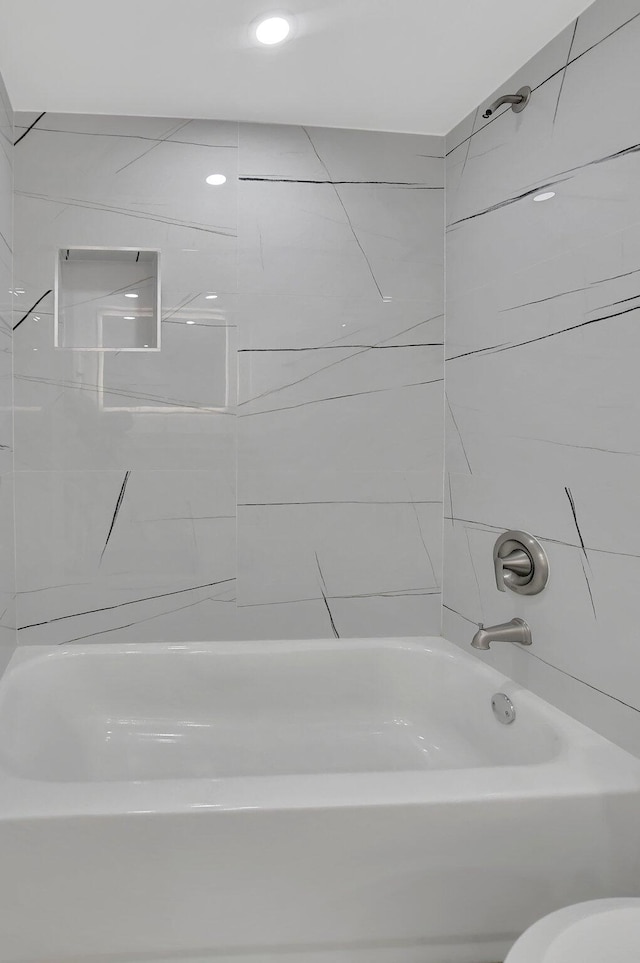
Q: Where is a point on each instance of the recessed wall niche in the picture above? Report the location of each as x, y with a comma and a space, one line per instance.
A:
107, 299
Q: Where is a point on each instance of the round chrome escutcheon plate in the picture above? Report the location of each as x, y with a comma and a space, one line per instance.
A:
503, 708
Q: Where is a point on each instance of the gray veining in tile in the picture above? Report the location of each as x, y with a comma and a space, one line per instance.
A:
177, 494
7, 563
542, 341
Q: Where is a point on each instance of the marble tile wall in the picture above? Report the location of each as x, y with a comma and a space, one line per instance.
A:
543, 352
7, 555
276, 469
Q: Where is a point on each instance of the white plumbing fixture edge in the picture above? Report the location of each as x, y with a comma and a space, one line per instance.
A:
591, 932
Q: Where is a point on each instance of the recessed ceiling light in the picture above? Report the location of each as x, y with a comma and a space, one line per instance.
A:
216, 179
545, 197
129, 317
210, 297
145, 345
130, 294
190, 322
272, 30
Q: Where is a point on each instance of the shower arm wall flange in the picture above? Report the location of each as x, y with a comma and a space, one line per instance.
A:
518, 102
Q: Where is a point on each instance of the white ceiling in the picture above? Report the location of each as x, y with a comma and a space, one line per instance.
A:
407, 65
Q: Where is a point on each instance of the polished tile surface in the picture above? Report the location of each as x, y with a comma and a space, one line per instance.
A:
7, 298
541, 373
288, 435
150, 553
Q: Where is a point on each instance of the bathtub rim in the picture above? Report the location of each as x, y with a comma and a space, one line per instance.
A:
587, 764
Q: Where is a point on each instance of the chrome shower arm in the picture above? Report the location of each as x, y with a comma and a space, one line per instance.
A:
518, 101
505, 99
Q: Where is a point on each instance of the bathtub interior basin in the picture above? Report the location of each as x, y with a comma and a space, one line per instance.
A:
149, 712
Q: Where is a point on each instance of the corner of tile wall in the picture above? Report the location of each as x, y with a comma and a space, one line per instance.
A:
542, 340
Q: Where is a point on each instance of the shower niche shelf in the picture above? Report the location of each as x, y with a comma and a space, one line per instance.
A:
107, 299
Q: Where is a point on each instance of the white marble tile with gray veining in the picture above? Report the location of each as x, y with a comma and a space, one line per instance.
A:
335, 380
7, 295
98, 410
93, 181
103, 552
542, 340
7, 298
310, 225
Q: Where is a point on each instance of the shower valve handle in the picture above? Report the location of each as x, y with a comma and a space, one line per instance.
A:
520, 563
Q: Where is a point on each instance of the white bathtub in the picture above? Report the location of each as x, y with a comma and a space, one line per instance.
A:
325, 802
